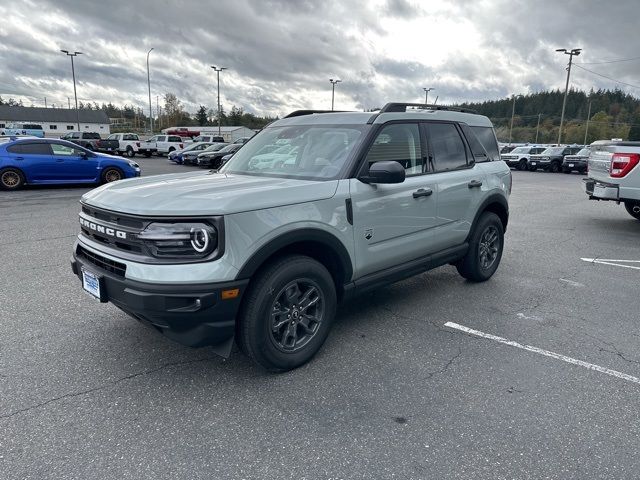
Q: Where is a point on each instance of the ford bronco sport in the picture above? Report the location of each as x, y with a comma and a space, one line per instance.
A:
264, 249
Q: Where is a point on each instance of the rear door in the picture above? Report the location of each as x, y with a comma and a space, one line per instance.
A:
35, 160
393, 223
460, 184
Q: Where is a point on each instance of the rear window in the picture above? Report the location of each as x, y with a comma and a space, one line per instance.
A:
487, 138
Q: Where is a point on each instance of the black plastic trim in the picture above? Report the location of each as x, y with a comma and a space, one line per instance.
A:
290, 238
493, 198
349, 207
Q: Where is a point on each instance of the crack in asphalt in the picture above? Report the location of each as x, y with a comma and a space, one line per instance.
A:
446, 366
104, 386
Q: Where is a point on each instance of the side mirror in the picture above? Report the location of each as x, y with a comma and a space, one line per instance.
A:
384, 172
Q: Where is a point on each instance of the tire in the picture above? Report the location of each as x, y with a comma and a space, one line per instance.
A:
147, 154
130, 152
554, 167
522, 164
171, 150
11, 179
532, 169
485, 249
111, 174
633, 208
282, 287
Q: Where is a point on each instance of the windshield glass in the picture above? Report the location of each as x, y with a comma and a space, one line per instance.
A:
583, 153
553, 151
521, 150
215, 147
317, 152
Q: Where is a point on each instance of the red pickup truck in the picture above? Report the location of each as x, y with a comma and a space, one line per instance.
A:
183, 132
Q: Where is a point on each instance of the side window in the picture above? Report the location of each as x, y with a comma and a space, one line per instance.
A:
175, 139
447, 146
487, 138
400, 143
161, 138
17, 149
478, 151
76, 136
63, 150
35, 149
113, 137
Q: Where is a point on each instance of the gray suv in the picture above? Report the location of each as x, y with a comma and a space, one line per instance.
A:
264, 249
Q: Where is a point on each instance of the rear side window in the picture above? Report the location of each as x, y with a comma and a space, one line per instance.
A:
487, 137
477, 150
175, 139
130, 137
449, 152
30, 149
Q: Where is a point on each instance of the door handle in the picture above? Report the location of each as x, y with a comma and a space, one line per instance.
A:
422, 192
59, 160
19, 158
474, 184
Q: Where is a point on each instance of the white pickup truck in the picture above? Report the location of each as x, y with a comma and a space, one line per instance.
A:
129, 143
161, 145
614, 174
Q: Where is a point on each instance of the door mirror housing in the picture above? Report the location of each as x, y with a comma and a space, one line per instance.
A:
384, 172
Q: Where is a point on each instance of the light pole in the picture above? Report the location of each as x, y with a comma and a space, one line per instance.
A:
538, 127
218, 70
149, 87
586, 130
73, 73
333, 89
571, 53
513, 111
426, 94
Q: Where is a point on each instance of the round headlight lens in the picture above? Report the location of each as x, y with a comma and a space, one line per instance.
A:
200, 239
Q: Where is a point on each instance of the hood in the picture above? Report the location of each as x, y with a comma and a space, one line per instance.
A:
205, 193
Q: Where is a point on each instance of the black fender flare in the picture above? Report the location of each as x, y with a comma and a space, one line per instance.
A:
288, 239
486, 205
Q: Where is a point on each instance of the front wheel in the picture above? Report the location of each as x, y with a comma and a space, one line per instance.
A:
554, 167
11, 179
111, 174
485, 249
522, 165
287, 313
633, 208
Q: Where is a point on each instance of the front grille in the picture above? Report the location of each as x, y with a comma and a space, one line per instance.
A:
99, 261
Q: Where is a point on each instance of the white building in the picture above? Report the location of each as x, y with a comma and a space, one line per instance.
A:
56, 121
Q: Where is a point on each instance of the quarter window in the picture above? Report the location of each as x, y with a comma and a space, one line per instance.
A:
447, 146
399, 143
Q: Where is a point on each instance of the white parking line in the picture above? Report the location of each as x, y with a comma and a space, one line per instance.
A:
615, 263
546, 353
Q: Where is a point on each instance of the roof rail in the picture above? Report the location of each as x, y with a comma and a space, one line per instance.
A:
299, 113
402, 107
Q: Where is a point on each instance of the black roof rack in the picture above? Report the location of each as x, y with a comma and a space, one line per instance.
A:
299, 113
402, 107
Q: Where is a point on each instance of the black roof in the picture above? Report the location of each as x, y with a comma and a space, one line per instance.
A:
10, 113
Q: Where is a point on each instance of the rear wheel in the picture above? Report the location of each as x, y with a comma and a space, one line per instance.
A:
130, 152
111, 174
633, 208
485, 249
11, 179
287, 313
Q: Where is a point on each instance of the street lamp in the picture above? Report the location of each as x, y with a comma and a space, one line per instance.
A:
218, 70
73, 73
571, 53
333, 89
149, 86
513, 111
426, 94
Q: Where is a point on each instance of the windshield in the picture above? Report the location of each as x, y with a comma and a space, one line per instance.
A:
317, 152
584, 152
553, 151
521, 150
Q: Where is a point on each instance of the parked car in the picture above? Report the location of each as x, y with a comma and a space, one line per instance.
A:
214, 159
52, 161
161, 145
183, 132
31, 129
577, 162
191, 158
92, 141
518, 158
128, 143
242, 140
614, 174
551, 159
209, 138
264, 256
196, 147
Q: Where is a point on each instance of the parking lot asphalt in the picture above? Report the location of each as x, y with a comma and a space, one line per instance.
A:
87, 392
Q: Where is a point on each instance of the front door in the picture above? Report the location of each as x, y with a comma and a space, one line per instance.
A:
393, 223
74, 164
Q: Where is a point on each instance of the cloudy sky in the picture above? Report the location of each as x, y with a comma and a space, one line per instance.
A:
280, 54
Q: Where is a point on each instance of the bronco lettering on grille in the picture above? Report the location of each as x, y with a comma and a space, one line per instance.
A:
102, 229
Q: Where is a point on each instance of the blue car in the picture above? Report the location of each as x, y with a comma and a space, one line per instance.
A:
37, 161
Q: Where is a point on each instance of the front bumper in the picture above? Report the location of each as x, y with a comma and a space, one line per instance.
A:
193, 315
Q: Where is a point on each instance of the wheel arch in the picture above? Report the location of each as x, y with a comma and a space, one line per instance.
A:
317, 244
495, 203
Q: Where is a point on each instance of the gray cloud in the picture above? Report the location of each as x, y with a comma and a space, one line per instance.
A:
280, 53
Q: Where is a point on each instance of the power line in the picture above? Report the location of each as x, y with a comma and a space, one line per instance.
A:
610, 61
608, 78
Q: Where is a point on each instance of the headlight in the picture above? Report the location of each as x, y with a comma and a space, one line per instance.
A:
134, 165
180, 240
